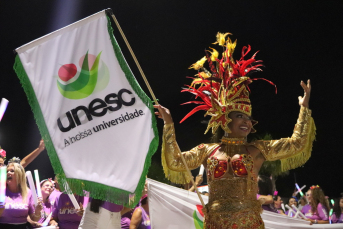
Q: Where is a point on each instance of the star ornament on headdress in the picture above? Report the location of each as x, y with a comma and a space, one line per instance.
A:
218, 118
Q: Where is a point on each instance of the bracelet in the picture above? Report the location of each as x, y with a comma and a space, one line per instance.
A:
315, 221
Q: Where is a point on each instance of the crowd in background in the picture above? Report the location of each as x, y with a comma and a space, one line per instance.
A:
55, 208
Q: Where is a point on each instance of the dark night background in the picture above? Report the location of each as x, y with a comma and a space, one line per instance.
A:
297, 40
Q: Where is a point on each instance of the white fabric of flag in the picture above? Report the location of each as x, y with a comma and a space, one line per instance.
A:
175, 208
97, 123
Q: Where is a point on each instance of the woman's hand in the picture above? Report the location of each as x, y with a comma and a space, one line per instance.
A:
39, 206
36, 224
310, 220
304, 101
41, 146
80, 211
164, 114
53, 223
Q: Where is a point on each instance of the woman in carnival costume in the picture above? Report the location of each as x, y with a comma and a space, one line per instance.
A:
233, 164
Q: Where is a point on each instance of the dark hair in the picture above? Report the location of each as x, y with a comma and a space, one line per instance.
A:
95, 205
217, 135
144, 201
318, 197
337, 208
292, 198
265, 185
276, 197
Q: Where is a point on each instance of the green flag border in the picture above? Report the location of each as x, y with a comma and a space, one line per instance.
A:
98, 191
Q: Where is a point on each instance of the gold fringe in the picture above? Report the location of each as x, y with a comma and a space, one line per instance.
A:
173, 176
301, 158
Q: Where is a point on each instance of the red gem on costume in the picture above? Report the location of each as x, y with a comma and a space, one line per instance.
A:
220, 169
239, 167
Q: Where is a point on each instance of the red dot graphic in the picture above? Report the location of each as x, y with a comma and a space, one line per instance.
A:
67, 71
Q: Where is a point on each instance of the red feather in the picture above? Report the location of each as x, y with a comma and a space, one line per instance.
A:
198, 108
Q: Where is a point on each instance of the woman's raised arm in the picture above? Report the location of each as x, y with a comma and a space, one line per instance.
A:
296, 150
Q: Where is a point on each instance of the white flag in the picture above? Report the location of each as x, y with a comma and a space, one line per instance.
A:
97, 123
175, 208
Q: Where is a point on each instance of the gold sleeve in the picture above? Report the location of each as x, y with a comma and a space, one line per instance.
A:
173, 166
294, 151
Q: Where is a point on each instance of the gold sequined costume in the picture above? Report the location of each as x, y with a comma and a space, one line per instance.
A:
232, 201
223, 87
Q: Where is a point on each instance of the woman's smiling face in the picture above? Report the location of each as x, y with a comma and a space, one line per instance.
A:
240, 125
11, 177
47, 188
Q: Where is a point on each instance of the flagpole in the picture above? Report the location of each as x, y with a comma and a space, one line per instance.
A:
152, 95
191, 177
133, 55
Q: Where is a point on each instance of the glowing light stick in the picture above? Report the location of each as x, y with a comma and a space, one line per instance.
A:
3, 106
283, 207
275, 193
332, 202
32, 187
299, 189
331, 211
201, 171
290, 210
3, 178
298, 212
39, 192
45, 223
71, 195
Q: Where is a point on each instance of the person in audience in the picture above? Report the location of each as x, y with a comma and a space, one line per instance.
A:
197, 182
47, 188
18, 203
277, 204
302, 202
64, 215
26, 160
291, 201
265, 190
318, 212
140, 217
337, 216
205, 193
29, 158
126, 215
307, 207
101, 214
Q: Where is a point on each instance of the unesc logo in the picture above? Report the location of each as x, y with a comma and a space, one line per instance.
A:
93, 76
80, 84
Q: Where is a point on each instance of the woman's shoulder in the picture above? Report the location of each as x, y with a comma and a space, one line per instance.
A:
137, 212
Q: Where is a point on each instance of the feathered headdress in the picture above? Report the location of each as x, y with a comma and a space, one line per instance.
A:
224, 88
